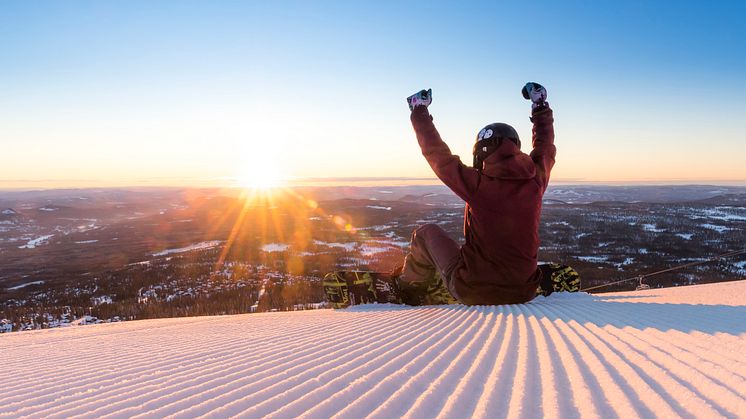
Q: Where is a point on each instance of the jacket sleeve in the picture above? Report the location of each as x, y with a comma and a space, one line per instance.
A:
461, 179
544, 151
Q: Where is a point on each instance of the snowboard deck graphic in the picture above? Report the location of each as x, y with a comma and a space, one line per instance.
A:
349, 288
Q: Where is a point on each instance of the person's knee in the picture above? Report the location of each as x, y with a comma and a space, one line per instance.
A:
426, 229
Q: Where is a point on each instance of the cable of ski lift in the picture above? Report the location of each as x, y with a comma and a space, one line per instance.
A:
674, 268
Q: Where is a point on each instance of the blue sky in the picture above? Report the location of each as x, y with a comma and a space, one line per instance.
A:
104, 92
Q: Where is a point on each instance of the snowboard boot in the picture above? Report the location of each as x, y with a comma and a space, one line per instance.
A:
437, 293
432, 291
556, 277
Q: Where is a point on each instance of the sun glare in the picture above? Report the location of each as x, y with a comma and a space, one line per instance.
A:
259, 174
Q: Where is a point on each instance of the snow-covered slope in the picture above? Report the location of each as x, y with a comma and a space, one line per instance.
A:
670, 353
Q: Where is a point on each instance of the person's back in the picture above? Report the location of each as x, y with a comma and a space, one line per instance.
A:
503, 193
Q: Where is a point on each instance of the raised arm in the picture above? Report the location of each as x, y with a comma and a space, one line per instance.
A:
544, 151
461, 179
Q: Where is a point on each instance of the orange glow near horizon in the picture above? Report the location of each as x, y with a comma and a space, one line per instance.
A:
282, 216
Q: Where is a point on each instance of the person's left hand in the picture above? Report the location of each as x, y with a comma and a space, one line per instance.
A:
536, 93
421, 98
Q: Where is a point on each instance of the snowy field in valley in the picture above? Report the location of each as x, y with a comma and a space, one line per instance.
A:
668, 353
196, 246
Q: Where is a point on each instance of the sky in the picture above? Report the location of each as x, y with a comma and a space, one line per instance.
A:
110, 93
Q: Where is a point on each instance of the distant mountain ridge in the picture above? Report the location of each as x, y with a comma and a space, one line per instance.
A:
650, 194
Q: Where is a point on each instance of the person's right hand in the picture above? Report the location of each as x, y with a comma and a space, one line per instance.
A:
421, 98
536, 93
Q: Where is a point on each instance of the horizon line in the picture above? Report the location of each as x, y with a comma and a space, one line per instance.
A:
342, 181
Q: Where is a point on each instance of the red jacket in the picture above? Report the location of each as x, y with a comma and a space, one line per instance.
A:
498, 263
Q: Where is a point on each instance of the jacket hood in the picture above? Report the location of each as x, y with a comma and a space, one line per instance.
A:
508, 162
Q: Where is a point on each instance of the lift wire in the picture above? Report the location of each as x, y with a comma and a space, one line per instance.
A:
686, 265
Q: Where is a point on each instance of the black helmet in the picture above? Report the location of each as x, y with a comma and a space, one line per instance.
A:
489, 139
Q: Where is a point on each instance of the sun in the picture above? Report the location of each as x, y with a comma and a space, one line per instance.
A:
257, 173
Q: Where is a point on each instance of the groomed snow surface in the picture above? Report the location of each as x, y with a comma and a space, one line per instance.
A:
667, 353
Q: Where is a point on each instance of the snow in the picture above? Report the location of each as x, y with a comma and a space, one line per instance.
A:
652, 228
47, 209
371, 249
718, 228
378, 207
143, 263
719, 213
104, 299
626, 262
350, 247
275, 247
36, 242
674, 352
17, 287
400, 243
9, 212
741, 267
593, 259
196, 246
86, 241
377, 227
685, 236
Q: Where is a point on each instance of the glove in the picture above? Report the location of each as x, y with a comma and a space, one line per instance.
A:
536, 93
421, 98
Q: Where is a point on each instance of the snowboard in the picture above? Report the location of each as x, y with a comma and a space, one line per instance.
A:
349, 288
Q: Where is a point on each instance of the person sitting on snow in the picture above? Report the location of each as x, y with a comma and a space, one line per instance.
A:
503, 193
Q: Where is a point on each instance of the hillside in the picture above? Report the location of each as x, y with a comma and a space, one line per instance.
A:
188, 252
663, 352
